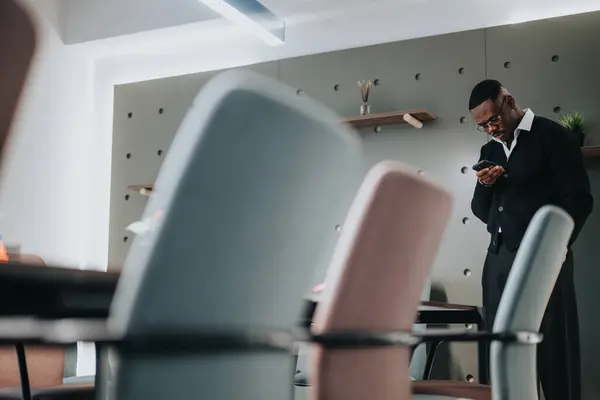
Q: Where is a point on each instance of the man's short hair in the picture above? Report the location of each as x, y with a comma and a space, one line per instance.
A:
488, 89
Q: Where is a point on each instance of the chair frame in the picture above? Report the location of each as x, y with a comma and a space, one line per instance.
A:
51, 333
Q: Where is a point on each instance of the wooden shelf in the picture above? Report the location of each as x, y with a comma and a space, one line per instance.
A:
588, 151
591, 151
144, 190
388, 118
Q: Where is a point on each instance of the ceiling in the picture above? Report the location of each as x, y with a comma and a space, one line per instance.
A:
294, 8
86, 20
149, 39
79, 21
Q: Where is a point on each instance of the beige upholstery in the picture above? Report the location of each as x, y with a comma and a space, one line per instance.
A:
382, 260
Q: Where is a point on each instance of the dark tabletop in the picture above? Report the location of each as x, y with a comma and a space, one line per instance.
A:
44, 291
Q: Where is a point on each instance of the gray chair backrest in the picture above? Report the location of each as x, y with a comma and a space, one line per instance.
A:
244, 208
526, 295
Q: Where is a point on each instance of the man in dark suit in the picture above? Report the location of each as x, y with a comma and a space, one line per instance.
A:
538, 163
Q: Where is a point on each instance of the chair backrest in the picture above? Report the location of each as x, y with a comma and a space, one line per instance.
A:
16, 52
245, 206
528, 288
376, 278
45, 365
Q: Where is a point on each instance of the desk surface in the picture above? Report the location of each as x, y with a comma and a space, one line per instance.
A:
55, 292
424, 306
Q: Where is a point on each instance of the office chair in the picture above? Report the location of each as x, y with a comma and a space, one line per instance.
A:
244, 209
526, 295
375, 281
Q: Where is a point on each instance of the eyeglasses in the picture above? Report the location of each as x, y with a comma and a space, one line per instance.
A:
495, 120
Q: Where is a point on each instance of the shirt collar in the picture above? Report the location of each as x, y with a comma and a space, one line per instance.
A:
524, 125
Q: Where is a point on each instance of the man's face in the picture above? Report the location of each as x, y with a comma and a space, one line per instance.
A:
494, 118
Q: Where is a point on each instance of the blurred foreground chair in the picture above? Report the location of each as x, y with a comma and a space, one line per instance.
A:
244, 208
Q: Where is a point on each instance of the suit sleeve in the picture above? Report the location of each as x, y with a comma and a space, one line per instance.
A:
482, 198
571, 178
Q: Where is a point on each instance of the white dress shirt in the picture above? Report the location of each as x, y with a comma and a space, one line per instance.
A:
524, 125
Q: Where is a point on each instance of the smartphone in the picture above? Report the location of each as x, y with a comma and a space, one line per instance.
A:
483, 164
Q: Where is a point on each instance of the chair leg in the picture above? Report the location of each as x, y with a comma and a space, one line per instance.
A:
483, 354
295, 370
97, 378
430, 359
23, 374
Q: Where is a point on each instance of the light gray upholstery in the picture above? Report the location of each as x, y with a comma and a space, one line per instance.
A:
243, 212
528, 289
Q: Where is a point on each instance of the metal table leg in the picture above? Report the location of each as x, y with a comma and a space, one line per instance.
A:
482, 352
23, 374
430, 359
97, 378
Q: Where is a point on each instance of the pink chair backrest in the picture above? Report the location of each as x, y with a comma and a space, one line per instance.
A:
382, 260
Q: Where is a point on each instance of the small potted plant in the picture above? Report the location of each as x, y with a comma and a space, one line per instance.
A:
574, 123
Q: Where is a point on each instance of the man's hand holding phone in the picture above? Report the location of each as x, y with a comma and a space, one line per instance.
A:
489, 176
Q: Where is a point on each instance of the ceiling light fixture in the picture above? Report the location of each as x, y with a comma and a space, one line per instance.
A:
251, 16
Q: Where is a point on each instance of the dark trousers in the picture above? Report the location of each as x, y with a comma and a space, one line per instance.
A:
558, 355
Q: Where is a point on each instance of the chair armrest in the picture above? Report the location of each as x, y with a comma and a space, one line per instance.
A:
447, 335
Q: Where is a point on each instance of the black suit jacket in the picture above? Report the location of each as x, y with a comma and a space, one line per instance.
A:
545, 167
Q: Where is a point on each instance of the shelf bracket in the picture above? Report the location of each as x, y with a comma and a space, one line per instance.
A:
413, 121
